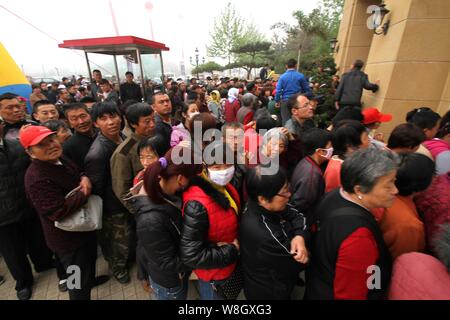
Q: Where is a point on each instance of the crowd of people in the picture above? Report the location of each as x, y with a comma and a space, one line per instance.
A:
263, 200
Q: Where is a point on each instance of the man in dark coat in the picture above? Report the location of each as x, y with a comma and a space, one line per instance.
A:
350, 88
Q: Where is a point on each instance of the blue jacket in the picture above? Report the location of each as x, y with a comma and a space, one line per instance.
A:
290, 83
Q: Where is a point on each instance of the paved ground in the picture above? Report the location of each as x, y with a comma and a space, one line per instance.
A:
46, 287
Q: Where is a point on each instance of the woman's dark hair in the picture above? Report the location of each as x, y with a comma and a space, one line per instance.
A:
157, 143
424, 118
218, 152
156, 171
265, 185
265, 123
314, 139
348, 113
136, 111
415, 173
406, 135
207, 120
55, 125
346, 134
444, 128
101, 108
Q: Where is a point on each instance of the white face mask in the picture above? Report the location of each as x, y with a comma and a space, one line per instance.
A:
221, 177
193, 114
329, 153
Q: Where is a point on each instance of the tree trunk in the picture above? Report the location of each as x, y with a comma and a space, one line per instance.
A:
298, 57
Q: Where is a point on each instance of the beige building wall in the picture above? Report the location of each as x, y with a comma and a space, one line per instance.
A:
412, 61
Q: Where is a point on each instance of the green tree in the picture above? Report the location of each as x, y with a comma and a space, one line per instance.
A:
208, 67
251, 55
227, 33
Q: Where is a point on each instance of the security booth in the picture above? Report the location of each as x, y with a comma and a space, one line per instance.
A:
133, 49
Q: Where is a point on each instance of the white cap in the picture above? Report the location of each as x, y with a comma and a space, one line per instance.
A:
61, 86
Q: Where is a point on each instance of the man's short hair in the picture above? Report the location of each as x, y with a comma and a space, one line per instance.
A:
158, 93
101, 108
250, 86
87, 100
358, 64
35, 86
96, 70
136, 111
74, 106
105, 81
291, 63
8, 96
129, 73
39, 103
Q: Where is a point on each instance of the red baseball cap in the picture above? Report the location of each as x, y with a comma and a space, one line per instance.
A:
372, 115
33, 135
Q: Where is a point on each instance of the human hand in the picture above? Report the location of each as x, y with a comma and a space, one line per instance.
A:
286, 132
277, 105
379, 137
298, 250
85, 186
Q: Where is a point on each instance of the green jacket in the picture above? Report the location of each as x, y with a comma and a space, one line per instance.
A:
125, 165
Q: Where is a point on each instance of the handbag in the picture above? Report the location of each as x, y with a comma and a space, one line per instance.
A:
87, 218
231, 287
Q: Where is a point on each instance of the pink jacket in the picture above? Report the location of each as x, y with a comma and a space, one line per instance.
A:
436, 146
418, 276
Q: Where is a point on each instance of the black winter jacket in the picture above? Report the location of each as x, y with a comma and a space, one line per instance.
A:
13, 164
350, 88
98, 169
159, 231
270, 271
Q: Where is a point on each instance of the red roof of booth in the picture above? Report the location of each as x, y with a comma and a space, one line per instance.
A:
115, 45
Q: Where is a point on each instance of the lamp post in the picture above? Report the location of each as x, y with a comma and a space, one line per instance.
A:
379, 13
196, 60
333, 43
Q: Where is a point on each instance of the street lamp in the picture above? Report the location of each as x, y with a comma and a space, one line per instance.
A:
333, 43
196, 60
378, 15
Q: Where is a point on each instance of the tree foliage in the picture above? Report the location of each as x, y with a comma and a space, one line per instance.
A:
251, 55
208, 67
227, 33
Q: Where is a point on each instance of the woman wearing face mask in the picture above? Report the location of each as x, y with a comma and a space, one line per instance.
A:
159, 223
181, 131
347, 137
209, 238
307, 183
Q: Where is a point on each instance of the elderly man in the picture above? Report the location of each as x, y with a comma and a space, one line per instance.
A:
20, 232
301, 115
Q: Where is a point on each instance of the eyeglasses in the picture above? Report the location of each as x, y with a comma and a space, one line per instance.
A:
306, 105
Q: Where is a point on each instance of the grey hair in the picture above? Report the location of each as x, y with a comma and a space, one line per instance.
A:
365, 167
441, 245
274, 133
249, 100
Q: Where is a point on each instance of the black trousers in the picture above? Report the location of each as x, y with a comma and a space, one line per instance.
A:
22, 238
84, 257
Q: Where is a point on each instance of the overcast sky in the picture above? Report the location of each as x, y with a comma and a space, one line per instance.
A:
181, 25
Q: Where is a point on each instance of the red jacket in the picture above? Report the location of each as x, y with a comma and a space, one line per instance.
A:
231, 110
223, 226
